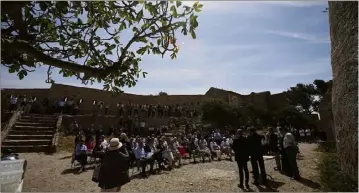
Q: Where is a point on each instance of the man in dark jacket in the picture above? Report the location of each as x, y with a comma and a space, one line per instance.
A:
273, 147
256, 153
240, 147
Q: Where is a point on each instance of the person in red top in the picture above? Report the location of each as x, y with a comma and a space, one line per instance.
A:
90, 145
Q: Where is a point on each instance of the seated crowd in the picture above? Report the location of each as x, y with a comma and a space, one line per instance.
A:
151, 150
167, 152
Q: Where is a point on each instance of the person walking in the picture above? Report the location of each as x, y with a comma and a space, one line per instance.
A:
114, 168
256, 153
240, 147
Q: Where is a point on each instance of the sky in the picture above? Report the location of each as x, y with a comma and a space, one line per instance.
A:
241, 46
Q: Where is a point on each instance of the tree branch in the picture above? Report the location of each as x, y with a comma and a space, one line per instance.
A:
23, 47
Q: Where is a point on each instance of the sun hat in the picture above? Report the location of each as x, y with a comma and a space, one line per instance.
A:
115, 144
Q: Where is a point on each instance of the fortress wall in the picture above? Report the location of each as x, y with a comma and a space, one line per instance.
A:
326, 115
260, 100
89, 95
218, 94
57, 91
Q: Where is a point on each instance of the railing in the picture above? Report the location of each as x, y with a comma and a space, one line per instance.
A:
55, 139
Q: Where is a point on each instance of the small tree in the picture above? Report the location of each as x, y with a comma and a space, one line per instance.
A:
99, 41
219, 113
290, 115
162, 94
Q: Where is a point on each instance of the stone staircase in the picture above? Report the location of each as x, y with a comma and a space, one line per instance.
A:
31, 133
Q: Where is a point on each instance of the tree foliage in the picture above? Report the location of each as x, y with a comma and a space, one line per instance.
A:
162, 93
290, 115
95, 41
219, 113
307, 97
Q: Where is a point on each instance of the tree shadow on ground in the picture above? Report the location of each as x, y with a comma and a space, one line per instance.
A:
309, 183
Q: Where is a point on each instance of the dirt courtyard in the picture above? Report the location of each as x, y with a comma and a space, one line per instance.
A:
53, 173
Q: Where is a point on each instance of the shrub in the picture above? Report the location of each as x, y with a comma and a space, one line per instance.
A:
332, 179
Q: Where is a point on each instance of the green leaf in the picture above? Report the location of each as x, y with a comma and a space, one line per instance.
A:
123, 26
193, 34
174, 11
117, 41
173, 55
43, 5
142, 50
113, 46
79, 21
134, 29
178, 3
143, 39
144, 74
139, 15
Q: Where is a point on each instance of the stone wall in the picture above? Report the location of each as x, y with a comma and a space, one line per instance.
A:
262, 100
326, 115
343, 20
89, 95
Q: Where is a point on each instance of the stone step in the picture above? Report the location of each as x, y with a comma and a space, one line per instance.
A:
31, 127
27, 148
41, 115
36, 123
28, 137
38, 120
27, 132
33, 142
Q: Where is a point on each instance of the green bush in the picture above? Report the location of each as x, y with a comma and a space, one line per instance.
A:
332, 179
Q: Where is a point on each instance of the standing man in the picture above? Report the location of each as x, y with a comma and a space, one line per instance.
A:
256, 153
273, 148
290, 147
240, 147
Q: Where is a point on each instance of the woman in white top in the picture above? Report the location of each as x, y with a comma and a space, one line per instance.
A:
226, 148
204, 150
215, 149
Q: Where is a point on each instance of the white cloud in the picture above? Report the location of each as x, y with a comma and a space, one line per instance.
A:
301, 36
307, 3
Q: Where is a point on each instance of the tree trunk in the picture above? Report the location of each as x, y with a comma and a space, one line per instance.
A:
343, 19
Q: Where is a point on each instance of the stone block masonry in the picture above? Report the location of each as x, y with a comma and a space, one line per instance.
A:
261, 100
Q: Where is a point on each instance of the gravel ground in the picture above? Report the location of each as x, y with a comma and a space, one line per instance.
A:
53, 173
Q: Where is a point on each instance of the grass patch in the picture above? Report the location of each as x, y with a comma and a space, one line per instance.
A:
325, 146
332, 179
66, 143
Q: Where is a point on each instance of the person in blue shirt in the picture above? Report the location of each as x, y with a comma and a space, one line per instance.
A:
144, 158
